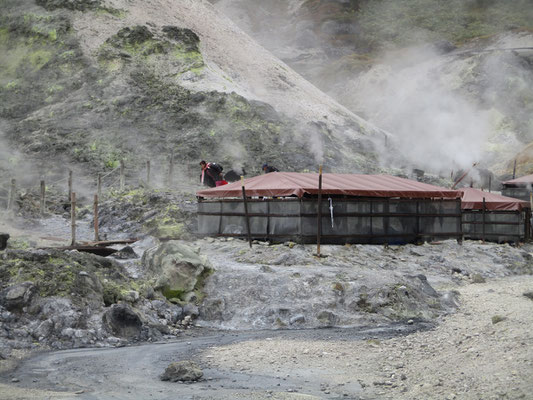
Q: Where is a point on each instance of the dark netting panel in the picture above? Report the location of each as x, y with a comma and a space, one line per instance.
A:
378, 220
401, 225
429, 225
255, 207
359, 207
498, 226
379, 225
309, 226
233, 207
208, 224
517, 193
210, 207
358, 226
258, 226
284, 226
291, 207
402, 207
233, 225
337, 227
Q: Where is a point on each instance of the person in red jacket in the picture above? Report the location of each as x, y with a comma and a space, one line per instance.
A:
211, 174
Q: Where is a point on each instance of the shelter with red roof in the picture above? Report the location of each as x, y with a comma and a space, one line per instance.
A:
354, 208
489, 216
519, 188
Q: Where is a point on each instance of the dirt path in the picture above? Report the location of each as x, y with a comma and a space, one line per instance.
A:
465, 357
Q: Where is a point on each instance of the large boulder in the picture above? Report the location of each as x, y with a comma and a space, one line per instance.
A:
184, 371
17, 296
176, 268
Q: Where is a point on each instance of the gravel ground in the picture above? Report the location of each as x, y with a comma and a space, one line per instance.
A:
467, 356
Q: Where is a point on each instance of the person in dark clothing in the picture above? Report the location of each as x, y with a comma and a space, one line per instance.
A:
211, 174
268, 168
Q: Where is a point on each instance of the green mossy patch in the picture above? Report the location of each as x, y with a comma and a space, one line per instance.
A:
79, 276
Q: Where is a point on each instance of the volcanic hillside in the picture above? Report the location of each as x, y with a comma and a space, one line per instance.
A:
88, 83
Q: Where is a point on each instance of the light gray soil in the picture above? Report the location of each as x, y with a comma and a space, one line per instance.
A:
482, 351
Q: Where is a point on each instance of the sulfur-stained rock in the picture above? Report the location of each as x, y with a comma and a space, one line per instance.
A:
176, 267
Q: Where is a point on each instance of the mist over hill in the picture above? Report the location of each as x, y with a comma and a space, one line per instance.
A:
424, 70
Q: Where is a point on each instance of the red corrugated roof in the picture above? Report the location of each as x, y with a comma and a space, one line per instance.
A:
472, 199
283, 184
522, 181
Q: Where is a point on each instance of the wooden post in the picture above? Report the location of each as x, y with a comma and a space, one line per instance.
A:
319, 212
148, 173
514, 169
11, 195
122, 177
246, 212
69, 184
73, 218
96, 237
99, 185
170, 170
527, 227
43, 197
483, 222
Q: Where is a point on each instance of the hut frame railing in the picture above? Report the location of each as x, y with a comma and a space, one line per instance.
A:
371, 214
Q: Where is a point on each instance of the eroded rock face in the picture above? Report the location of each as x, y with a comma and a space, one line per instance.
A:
177, 268
185, 371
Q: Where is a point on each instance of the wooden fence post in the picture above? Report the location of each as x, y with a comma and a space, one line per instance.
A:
170, 170
11, 195
73, 218
246, 212
483, 222
43, 197
319, 212
122, 177
148, 173
69, 184
96, 236
99, 185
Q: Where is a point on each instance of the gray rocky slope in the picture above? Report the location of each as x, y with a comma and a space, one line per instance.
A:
90, 83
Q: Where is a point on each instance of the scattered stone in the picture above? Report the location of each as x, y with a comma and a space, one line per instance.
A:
529, 294
184, 371
498, 318
297, 319
126, 253
15, 380
266, 268
477, 278
16, 297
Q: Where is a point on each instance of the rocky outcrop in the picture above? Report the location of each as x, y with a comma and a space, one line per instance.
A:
55, 299
177, 268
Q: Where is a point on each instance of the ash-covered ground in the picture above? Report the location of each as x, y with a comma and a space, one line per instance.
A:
438, 320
